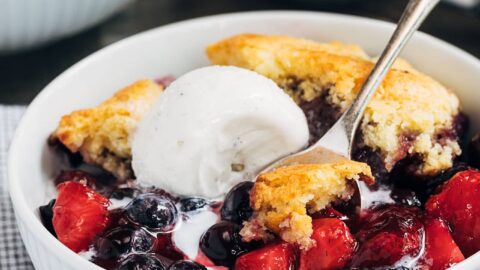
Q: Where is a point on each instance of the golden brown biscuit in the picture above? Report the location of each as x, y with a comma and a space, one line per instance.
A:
282, 198
407, 117
102, 134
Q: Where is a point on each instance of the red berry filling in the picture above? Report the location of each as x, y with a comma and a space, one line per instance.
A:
441, 252
387, 235
334, 246
397, 235
276, 256
458, 203
79, 215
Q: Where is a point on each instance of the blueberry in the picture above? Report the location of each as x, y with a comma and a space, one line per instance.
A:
141, 262
122, 240
236, 207
186, 265
222, 243
406, 197
192, 204
114, 243
46, 215
142, 241
433, 183
473, 152
153, 211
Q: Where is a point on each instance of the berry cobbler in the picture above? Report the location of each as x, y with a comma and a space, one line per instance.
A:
162, 175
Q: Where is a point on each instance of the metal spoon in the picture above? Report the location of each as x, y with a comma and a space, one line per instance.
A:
336, 144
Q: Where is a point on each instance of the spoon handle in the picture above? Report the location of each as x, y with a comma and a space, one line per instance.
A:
413, 15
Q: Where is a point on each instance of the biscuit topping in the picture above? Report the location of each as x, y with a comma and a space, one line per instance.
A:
102, 134
282, 199
407, 102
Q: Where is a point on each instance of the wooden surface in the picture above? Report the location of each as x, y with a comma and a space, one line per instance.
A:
23, 75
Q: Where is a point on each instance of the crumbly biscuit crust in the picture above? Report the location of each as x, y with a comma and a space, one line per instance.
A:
282, 198
102, 134
408, 103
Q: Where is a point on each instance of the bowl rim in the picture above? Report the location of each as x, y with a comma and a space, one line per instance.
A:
20, 205
18, 42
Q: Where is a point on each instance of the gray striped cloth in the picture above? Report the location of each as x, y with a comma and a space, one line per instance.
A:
13, 255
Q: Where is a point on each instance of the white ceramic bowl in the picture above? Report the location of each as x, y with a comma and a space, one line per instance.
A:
28, 23
176, 49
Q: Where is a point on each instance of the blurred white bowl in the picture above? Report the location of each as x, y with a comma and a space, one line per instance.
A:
28, 23
176, 49
465, 3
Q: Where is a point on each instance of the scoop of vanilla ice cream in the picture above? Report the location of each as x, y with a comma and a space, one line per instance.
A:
213, 128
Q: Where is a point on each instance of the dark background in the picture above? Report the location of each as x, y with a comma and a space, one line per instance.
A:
23, 75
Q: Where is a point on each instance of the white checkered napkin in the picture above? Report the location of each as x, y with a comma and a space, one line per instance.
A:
13, 255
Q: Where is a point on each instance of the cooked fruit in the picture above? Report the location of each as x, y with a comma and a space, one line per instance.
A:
278, 256
222, 243
165, 80
121, 240
124, 192
433, 183
142, 262
46, 215
441, 252
236, 207
406, 197
458, 204
153, 211
166, 248
77, 176
79, 215
329, 212
334, 246
388, 234
186, 265
473, 153
420, 189
192, 204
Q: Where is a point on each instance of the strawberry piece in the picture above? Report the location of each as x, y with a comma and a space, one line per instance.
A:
441, 252
79, 214
387, 235
458, 204
277, 256
334, 246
